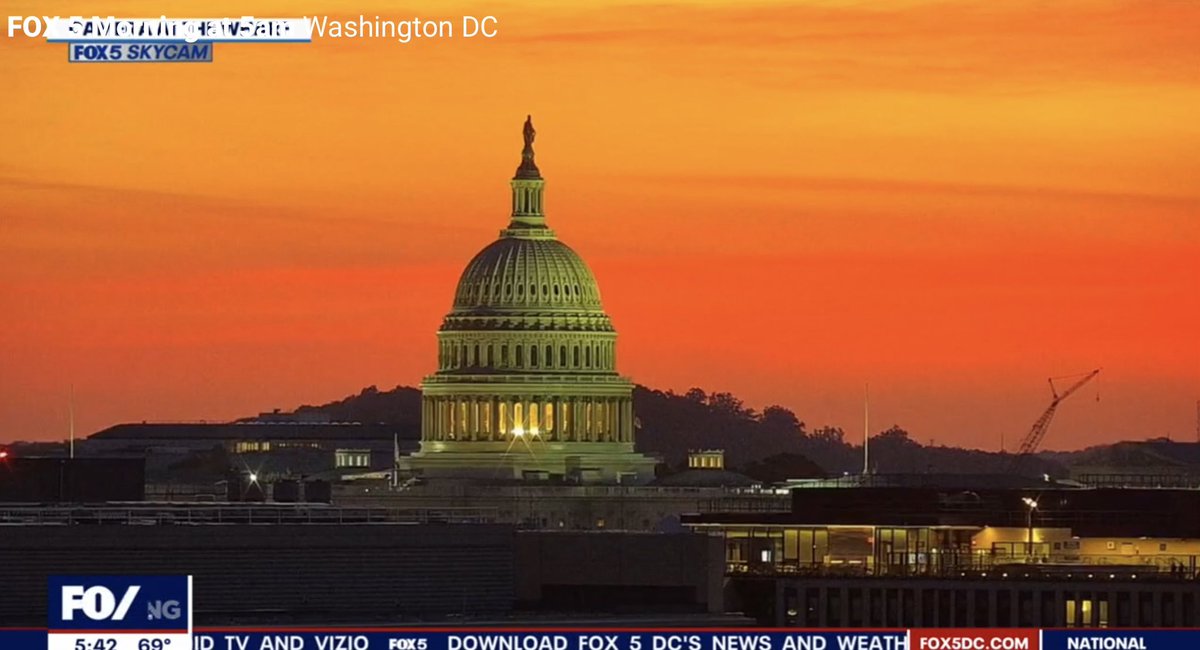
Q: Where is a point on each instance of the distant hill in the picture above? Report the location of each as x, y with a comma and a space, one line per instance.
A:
400, 405
670, 424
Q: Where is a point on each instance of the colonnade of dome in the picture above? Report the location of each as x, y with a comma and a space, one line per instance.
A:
551, 418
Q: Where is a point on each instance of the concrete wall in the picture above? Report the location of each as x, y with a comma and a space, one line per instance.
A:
380, 572
314, 573
636, 570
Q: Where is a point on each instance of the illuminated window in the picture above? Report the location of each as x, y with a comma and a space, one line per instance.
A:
548, 418
352, 458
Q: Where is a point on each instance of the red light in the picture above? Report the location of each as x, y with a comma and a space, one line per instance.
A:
3, 454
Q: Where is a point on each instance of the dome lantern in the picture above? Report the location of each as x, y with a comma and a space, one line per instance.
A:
528, 188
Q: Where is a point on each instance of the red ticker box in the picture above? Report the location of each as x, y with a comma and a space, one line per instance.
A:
974, 639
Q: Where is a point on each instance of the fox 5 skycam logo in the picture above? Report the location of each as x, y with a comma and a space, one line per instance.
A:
160, 603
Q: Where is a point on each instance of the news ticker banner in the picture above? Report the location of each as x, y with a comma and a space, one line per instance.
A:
606, 639
155, 613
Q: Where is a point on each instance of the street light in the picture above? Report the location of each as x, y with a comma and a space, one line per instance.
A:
1031, 505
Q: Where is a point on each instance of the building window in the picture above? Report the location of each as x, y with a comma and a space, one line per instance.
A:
562, 356
520, 356
533, 356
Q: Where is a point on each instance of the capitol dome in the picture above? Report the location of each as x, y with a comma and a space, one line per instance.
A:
522, 273
527, 381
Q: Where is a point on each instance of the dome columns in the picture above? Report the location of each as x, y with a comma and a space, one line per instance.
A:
498, 418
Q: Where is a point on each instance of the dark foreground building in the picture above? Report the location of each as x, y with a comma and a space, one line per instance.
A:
278, 564
58, 480
952, 557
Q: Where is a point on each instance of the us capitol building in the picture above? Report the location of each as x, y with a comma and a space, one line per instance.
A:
527, 384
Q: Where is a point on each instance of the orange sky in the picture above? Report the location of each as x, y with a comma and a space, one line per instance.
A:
951, 200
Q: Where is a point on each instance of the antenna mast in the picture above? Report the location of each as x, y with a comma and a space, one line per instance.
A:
71, 421
866, 429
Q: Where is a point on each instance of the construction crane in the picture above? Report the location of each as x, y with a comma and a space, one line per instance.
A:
1033, 439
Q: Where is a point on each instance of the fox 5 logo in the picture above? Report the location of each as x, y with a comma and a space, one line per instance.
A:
101, 604
114, 602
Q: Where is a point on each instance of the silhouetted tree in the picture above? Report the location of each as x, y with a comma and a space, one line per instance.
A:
776, 418
897, 434
829, 434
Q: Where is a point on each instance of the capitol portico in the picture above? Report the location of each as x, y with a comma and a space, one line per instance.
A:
527, 385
